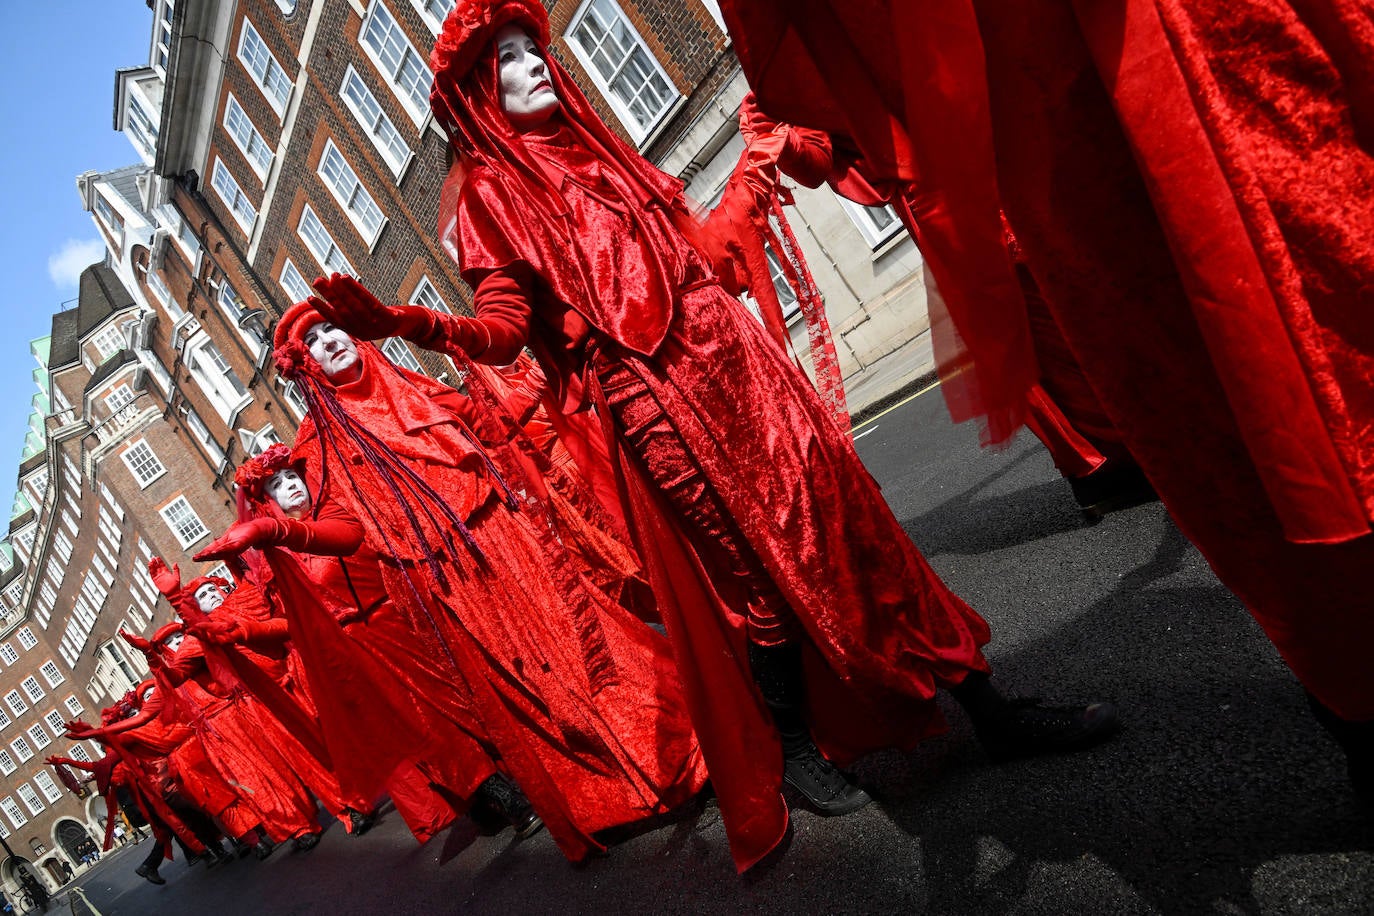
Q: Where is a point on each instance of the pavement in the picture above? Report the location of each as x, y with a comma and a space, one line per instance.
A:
1220, 796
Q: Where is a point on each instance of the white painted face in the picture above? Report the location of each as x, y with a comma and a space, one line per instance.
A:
209, 596
173, 642
335, 351
527, 96
288, 491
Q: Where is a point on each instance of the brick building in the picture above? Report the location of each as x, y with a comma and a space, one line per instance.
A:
123, 470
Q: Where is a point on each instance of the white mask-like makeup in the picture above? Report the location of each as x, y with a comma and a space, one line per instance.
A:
209, 596
527, 95
288, 491
335, 351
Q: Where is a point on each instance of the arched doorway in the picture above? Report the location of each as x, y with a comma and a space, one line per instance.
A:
75, 841
19, 876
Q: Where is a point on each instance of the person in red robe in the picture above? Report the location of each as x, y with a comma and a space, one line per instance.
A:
578, 698
802, 617
1192, 186
454, 765
157, 738
247, 744
126, 768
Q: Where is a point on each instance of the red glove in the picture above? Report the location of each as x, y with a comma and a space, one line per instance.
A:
168, 581
218, 632
347, 304
77, 727
258, 532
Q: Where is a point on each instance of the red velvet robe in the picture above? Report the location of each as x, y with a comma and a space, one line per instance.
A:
577, 697
883, 631
1193, 188
247, 746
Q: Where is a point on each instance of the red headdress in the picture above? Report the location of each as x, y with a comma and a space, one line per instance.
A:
466, 100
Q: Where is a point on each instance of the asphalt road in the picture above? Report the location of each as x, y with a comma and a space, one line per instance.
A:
1221, 795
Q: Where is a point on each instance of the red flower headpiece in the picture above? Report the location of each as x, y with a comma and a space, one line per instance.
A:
253, 474
469, 27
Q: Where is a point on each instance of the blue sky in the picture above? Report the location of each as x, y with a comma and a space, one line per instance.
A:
58, 107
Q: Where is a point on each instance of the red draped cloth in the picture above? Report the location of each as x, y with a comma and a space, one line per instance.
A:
1193, 188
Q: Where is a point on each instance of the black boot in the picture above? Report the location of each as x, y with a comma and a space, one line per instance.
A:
218, 855
306, 842
1357, 740
144, 871
505, 796
1118, 484
360, 823
778, 672
1009, 729
264, 847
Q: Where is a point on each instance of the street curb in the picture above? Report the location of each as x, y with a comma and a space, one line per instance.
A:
887, 400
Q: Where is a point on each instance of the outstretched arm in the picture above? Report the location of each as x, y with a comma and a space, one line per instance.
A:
502, 301
67, 761
335, 533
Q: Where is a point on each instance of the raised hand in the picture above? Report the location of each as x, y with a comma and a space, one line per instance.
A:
138, 642
349, 305
167, 579
241, 536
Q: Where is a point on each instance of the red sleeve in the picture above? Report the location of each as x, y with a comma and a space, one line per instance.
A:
807, 157
502, 325
333, 533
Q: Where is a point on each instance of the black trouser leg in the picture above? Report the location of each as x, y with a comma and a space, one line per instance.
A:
778, 673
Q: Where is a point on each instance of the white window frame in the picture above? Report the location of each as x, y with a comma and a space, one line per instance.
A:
39, 735
55, 721
229, 191
433, 12
321, 244
397, 351
8, 653
427, 295
16, 703
30, 799
11, 809
247, 137
7, 764
381, 23
49, 677
263, 66
342, 181
289, 277
118, 402
135, 460
359, 98
32, 689
47, 785
639, 132
108, 342
73, 705
216, 377
181, 507
4, 719
79, 752
868, 227
26, 638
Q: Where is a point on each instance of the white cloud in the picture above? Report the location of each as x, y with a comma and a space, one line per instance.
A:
65, 265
